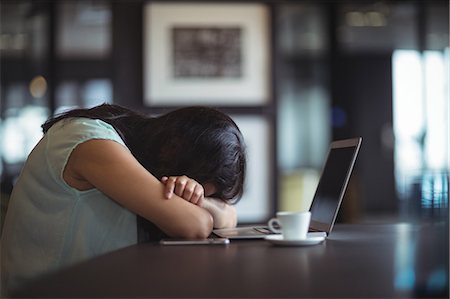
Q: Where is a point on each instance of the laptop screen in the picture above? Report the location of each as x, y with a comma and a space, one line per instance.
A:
332, 185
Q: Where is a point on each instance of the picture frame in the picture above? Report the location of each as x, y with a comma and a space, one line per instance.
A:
206, 54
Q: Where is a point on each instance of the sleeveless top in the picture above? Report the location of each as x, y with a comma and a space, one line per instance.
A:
50, 225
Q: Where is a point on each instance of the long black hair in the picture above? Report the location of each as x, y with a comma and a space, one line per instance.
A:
199, 142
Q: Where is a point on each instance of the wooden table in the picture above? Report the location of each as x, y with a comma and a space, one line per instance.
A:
383, 261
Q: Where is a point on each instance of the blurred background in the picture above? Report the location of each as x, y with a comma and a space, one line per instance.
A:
338, 69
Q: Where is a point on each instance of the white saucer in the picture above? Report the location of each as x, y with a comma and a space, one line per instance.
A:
278, 240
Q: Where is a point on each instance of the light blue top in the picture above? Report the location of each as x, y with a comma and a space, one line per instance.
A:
49, 224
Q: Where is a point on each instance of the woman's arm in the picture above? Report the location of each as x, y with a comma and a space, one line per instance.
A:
112, 169
224, 215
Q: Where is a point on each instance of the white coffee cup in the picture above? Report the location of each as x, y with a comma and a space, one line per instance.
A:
294, 225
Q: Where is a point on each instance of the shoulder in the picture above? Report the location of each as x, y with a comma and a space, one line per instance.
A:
67, 135
72, 131
95, 157
83, 125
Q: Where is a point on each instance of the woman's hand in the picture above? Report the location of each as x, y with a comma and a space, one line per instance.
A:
224, 215
185, 187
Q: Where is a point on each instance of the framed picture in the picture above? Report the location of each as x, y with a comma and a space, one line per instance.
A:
209, 54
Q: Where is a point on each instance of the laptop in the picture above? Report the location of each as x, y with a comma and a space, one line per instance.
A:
327, 199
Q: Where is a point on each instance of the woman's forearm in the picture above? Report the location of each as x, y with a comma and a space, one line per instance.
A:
224, 215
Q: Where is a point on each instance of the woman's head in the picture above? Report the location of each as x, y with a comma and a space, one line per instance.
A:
201, 143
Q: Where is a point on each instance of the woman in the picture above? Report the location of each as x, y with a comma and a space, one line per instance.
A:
95, 169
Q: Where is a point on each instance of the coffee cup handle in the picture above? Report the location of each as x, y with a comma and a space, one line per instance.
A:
272, 223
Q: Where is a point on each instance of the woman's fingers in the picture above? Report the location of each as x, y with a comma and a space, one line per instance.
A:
183, 186
197, 194
180, 185
170, 186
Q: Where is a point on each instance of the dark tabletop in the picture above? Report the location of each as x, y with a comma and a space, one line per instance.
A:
356, 261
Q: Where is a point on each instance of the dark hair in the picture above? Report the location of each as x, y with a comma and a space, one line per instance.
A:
199, 142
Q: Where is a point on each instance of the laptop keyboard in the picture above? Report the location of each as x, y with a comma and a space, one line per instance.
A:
264, 230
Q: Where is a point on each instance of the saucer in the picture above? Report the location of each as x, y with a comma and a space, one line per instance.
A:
278, 240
